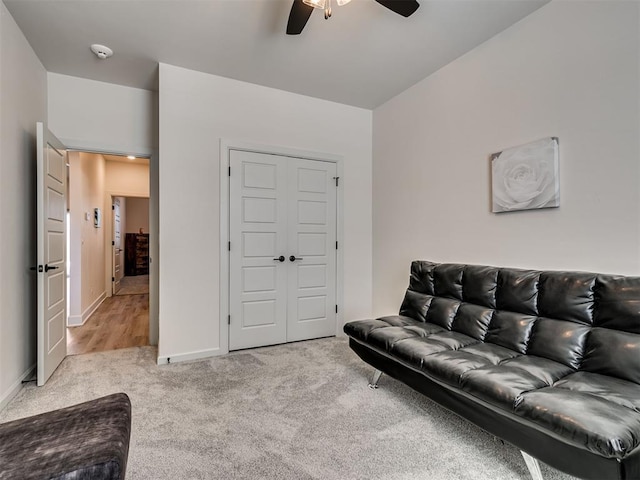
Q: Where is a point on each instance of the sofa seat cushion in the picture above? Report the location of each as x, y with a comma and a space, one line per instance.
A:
622, 392
504, 384
415, 350
361, 329
449, 366
495, 354
549, 371
386, 338
583, 419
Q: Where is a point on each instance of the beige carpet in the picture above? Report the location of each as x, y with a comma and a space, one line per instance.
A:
300, 411
136, 285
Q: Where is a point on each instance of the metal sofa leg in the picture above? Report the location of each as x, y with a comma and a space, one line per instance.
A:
532, 465
373, 384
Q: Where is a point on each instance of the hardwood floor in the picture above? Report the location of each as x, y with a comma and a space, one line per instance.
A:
134, 285
120, 322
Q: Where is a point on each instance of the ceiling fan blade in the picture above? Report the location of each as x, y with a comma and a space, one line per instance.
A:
300, 13
401, 7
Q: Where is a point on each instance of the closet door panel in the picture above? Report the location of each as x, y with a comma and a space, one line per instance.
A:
312, 241
258, 235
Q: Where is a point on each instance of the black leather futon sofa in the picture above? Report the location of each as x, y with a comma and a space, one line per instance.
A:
548, 361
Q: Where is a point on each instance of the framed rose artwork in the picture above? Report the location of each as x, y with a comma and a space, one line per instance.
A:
526, 177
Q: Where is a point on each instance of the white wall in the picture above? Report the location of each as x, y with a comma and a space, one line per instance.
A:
127, 179
569, 70
96, 116
91, 115
88, 243
196, 111
137, 215
23, 96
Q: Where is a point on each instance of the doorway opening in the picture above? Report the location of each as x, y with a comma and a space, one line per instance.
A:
130, 266
108, 197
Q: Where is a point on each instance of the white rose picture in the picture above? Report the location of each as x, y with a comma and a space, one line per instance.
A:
526, 177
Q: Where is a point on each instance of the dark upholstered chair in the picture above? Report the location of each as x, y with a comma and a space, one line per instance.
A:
86, 441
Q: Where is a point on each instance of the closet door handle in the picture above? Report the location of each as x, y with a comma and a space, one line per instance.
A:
293, 258
280, 258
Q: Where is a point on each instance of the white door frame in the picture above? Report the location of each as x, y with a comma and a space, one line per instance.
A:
226, 145
108, 201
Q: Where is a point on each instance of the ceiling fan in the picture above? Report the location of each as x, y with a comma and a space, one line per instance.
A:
301, 10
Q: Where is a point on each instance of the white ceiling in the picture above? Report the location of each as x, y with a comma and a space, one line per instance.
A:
362, 56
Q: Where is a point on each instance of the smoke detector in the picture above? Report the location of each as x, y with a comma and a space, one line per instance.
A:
101, 51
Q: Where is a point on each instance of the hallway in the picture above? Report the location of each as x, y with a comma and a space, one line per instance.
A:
121, 321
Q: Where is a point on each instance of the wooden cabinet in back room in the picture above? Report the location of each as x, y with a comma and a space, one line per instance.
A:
136, 248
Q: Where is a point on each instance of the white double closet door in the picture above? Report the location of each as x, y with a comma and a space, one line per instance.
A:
282, 263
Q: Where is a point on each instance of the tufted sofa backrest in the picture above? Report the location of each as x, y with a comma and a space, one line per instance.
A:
586, 321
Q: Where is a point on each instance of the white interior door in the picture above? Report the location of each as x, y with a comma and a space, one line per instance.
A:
258, 237
116, 246
52, 205
282, 260
312, 237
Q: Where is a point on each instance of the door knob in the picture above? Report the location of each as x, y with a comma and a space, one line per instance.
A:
293, 258
47, 268
280, 258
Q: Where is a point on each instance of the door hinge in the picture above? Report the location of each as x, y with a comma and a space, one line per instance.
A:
337, 179
113, 242
229, 320
336, 308
336, 244
229, 246
113, 207
229, 171
113, 279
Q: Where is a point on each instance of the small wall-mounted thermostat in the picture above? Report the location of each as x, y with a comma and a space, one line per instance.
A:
97, 218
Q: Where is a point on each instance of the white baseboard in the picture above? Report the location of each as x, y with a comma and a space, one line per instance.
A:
78, 320
74, 321
185, 357
15, 388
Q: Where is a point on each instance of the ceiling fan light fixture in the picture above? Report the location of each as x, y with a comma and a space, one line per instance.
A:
315, 3
301, 10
